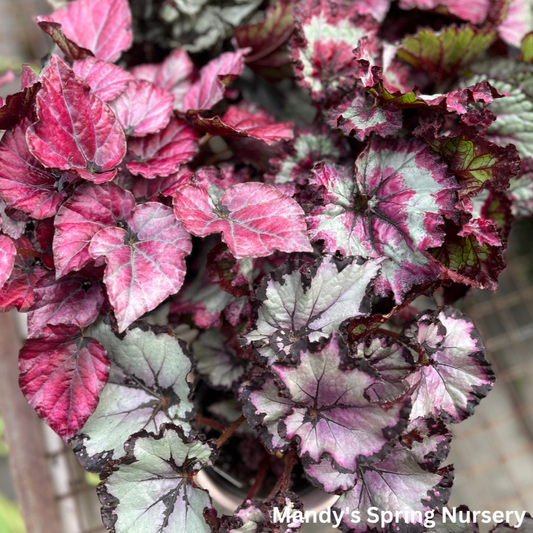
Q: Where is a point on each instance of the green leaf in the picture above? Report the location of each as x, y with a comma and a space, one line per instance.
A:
526, 50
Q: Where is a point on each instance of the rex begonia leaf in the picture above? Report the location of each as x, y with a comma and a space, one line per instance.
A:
209, 88
393, 207
514, 112
149, 189
150, 249
143, 108
392, 363
299, 303
161, 153
455, 374
445, 53
13, 224
518, 22
173, 74
18, 290
255, 219
246, 120
396, 484
69, 48
62, 374
475, 11
526, 527
89, 209
147, 388
76, 131
107, 81
152, 490
267, 36
216, 360
520, 191
328, 32
103, 27
478, 163
24, 183
70, 300
359, 114
464, 259
294, 167
7, 258
324, 409
18, 105
526, 48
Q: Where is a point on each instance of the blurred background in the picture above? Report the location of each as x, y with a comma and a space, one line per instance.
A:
492, 451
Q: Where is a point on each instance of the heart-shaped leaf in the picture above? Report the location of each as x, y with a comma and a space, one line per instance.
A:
76, 131
62, 374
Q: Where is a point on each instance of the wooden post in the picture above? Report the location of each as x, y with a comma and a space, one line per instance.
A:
27, 455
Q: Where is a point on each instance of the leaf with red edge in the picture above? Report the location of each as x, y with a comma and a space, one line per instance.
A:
323, 409
149, 252
103, 26
18, 291
478, 163
76, 131
214, 77
89, 209
247, 120
398, 484
475, 11
7, 258
161, 154
359, 114
255, 219
149, 189
174, 74
107, 81
62, 374
327, 34
465, 260
393, 207
455, 375
71, 50
143, 108
24, 183
70, 301
18, 106
443, 54
269, 35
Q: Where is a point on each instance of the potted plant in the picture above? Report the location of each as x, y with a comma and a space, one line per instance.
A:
239, 232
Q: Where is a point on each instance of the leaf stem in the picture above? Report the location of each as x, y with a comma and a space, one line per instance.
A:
291, 458
32, 253
229, 431
210, 423
259, 478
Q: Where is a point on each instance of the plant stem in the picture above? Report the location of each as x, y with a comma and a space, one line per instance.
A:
229, 431
32, 253
210, 423
259, 478
283, 482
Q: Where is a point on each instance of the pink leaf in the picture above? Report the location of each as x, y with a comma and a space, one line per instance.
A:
214, 77
143, 108
145, 261
161, 154
62, 377
24, 183
107, 81
101, 26
71, 50
246, 120
91, 208
76, 130
475, 11
71, 300
173, 75
7, 258
255, 219
7, 77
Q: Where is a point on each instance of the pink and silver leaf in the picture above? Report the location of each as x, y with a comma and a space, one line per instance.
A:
76, 131
149, 251
255, 219
8, 253
103, 26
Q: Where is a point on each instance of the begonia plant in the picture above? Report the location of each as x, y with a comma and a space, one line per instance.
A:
239, 230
